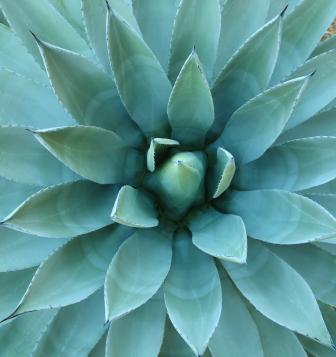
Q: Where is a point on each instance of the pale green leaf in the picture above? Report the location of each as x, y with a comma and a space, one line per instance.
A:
276, 340
74, 271
220, 235
141, 81
94, 153
88, 92
28, 103
325, 46
221, 172
140, 333
190, 108
291, 166
236, 334
278, 292
64, 210
193, 293
99, 348
135, 208
20, 251
279, 217
197, 24
327, 200
254, 127
315, 348
125, 10
302, 31
329, 187
276, 6
240, 19
156, 19
25, 161
157, 150
137, 271
75, 330
248, 73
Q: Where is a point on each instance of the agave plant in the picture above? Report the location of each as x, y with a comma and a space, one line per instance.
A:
167, 178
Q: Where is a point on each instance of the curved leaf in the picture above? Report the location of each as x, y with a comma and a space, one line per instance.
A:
99, 349
94, 153
291, 166
190, 108
85, 329
279, 217
220, 235
87, 92
193, 293
278, 292
248, 73
278, 5
24, 160
140, 333
315, 349
254, 127
65, 210
134, 208
142, 83
136, 272
21, 251
125, 10
236, 334
325, 46
327, 188
157, 149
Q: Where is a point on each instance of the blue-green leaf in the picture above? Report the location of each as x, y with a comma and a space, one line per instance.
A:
193, 293
99, 348
65, 210
197, 24
190, 108
276, 6
278, 292
125, 10
325, 46
142, 83
137, 272
279, 217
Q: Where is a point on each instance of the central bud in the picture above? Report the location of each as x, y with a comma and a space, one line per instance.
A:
179, 183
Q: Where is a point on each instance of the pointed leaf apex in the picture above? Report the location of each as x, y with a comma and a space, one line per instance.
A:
38, 41
108, 6
283, 12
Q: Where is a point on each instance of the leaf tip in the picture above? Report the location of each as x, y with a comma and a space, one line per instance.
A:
283, 12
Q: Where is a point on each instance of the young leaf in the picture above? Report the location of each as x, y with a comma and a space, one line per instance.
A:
157, 149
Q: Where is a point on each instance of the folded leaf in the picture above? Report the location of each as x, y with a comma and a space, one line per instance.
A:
141, 81
230, 339
278, 292
254, 127
65, 210
157, 150
136, 272
139, 333
302, 31
135, 208
279, 217
248, 73
94, 153
190, 108
25, 161
291, 166
220, 235
193, 293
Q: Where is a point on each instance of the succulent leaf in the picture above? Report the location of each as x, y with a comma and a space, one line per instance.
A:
325, 46
276, 6
326, 200
99, 348
125, 10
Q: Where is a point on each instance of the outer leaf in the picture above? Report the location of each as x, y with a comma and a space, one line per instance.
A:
278, 5
280, 217
198, 24
277, 341
140, 333
220, 235
24, 160
142, 84
99, 349
87, 92
193, 294
65, 210
327, 188
124, 9
24, 102
315, 349
190, 108
134, 208
326, 200
236, 334
97, 154
254, 127
157, 149
248, 73
128, 286
325, 46
156, 19
44, 20
291, 166
302, 31
21, 251
85, 329
238, 25
279, 292
74, 271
